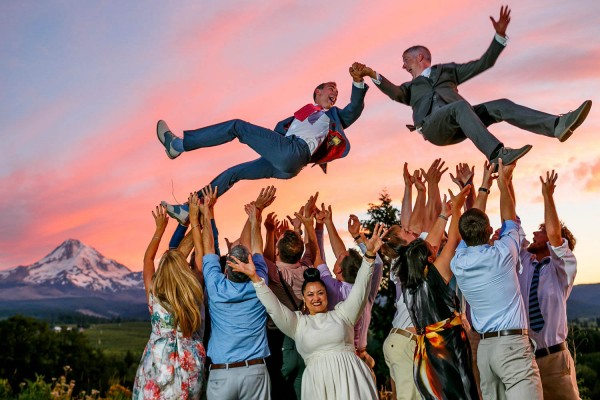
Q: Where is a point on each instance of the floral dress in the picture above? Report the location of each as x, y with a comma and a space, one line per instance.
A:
172, 366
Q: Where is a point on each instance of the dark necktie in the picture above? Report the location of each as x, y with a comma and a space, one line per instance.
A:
536, 319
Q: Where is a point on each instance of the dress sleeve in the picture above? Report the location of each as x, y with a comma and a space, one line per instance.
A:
285, 319
351, 308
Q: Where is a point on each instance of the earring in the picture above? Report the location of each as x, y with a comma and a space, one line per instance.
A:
304, 309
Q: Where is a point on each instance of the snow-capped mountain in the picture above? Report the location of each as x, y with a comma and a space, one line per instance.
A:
73, 278
75, 265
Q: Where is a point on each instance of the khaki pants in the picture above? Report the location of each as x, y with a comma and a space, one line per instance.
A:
242, 383
507, 369
558, 376
399, 353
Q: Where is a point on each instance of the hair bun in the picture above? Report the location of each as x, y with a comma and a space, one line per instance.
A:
312, 275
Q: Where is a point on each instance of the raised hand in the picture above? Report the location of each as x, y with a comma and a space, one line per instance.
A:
266, 197
194, 204
488, 174
418, 181
252, 211
505, 172
209, 199
296, 222
310, 208
375, 242
549, 184
246, 268
446, 207
503, 21
354, 225
458, 201
464, 175
270, 221
408, 178
435, 171
161, 219
281, 227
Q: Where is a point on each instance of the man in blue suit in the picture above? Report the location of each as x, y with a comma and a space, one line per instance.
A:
315, 134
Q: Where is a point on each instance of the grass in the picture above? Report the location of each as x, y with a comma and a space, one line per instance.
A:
118, 338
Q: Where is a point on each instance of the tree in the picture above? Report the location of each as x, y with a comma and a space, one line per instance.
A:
384, 308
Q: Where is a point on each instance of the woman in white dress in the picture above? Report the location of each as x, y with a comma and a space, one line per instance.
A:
325, 339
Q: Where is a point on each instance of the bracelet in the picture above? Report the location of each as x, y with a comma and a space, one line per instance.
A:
369, 257
443, 217
195, 226
482, 189
357, 238
156, 237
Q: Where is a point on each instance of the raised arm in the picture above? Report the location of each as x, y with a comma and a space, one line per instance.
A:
337, 244
436, 233
254, 216
285, 319
406, 210
354, 109
507, 204
270, 225
265, 198
400, 93
486, 184
442, 263
434, 201
418, 215
160, 220
464, 176
551, 221
354, 304
194, 204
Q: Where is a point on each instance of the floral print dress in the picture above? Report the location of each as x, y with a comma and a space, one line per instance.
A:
172, 366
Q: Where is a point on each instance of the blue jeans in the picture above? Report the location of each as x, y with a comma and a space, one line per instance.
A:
281, 157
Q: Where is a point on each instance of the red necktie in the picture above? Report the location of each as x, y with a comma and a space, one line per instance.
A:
306, 111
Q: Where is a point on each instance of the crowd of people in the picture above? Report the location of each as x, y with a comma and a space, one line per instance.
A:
479, 313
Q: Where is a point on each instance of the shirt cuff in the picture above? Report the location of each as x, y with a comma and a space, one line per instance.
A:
323, 269
360, 85
561, 250
259, 284
378, 80
502, 40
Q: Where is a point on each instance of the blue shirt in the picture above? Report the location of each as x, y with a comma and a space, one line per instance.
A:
238, 318
486, 275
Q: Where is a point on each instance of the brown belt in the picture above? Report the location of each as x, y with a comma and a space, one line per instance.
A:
405, 333
505, 332
550, 350
238, 364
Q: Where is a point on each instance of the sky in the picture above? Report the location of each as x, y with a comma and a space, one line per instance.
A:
82, 85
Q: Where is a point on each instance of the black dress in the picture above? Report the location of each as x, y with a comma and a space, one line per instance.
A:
443, 365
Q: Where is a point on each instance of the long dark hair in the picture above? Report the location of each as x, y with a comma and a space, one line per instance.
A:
411, 263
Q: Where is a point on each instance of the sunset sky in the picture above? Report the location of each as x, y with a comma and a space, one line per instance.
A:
82, 85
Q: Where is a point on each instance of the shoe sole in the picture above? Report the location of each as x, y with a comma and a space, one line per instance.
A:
160, 133
587, 106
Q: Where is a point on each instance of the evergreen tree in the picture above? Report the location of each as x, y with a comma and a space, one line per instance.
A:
383, 309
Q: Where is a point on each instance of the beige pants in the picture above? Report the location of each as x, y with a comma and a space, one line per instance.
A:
399, 353
507, 369
558, 376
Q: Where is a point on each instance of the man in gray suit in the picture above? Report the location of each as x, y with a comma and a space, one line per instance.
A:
443, 117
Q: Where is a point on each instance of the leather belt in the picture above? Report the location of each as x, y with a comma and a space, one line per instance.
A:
238, 364
505, 332
405, 333
550, 350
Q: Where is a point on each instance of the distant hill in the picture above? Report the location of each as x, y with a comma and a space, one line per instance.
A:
73, 278
584, 301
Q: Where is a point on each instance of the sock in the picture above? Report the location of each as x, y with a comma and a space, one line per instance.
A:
177, 144
496, 151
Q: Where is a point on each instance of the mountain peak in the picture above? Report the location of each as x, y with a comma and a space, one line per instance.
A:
74, 264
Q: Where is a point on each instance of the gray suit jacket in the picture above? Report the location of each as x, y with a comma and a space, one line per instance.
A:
443, 82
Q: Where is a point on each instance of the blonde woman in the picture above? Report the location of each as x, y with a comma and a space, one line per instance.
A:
172, 365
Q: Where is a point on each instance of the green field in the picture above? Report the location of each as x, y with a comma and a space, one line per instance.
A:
117, 338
